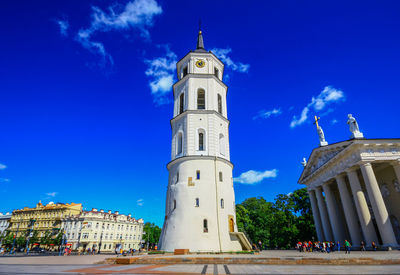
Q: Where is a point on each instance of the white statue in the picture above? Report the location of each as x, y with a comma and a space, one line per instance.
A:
322, 141
304, 162
385, 191
354, 129
396, 185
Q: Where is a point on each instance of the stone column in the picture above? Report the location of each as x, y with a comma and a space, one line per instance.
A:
317, 218
364, 216
396, 167
378, 205
337, 225
324, 215
349, 211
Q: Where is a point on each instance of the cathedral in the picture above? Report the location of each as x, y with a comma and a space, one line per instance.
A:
354, 189
200, 203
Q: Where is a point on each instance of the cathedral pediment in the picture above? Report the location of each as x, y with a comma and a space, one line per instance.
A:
322, 155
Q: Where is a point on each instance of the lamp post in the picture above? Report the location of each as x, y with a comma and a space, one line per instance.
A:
15, 237
32, 223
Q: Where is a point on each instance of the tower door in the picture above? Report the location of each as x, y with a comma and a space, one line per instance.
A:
231, 224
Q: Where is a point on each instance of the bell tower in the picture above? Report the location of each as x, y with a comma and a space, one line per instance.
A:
200, 204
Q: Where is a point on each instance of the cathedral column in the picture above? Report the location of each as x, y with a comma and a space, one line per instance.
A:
396, 167
362, 208
324, 215
378, 205
349, 212
337, 225
317, 218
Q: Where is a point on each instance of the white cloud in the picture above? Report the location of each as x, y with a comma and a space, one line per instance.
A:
161, 73
64, 25
268, 114
4, 180
52, 194
234, 66
137, 14
2, 166
140, 202
334, 121
251, 176
327, 96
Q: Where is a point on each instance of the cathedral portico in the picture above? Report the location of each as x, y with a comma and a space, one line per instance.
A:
362, 177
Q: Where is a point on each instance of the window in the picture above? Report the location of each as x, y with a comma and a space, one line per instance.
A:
201, 142
197, 202
109, 247
105, 246
220, 176
181, 102
222, 203
95, 235
216, 72
184, 72
201, 99
180, 143
205, 226
222, 144
219, 104
97, 225
174, 204
198, 174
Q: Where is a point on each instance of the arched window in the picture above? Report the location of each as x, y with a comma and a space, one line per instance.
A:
181, 102
201, 142
201, 99
197, 202
205, 226
219, 104
180, 143
222, 203
216, 72
220, 176
222, 144
184, 71
174, 204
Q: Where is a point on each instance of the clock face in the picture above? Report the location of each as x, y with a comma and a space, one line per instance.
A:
200, 63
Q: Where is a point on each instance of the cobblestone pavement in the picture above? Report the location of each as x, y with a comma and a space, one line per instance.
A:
196, 269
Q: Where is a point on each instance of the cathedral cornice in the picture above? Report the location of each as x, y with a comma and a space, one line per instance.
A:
197, 157
182, 80
207, 112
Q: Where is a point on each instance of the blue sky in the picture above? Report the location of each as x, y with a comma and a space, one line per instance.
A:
85, 92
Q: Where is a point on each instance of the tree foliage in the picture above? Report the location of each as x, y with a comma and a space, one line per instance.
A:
278, 224
153, 233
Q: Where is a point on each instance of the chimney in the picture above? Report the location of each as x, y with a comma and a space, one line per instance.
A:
116, 212
94, 209
109, 211
129, 215
101, 210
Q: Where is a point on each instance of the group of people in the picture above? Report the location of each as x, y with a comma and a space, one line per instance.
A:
325, 247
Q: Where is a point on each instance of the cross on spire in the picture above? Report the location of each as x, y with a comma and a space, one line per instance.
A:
316, 121
200, 43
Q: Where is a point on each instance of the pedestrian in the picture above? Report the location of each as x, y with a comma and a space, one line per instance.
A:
347, 246
338, 246
362, 246
373, 246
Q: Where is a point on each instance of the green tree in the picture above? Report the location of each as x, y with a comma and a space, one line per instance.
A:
279, 224
153, 233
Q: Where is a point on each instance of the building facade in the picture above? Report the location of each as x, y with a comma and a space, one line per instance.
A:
43, 218
200, 204
4, 223
103, 231
354, 189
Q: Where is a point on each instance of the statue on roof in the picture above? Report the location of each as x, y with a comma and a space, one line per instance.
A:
322, 141
304, 162
354, 129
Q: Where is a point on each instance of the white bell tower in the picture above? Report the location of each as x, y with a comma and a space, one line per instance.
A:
200, 205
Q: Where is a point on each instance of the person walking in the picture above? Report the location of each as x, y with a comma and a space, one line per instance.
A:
362, 246
373, 246
338, 246
347, 246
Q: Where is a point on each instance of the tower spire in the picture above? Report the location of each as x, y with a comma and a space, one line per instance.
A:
200, 43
